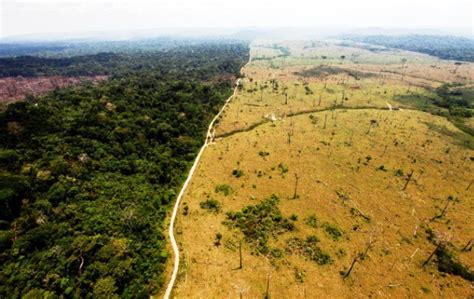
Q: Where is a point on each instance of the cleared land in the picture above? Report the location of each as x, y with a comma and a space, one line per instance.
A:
326, 161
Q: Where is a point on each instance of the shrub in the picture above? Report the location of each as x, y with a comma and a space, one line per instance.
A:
283, 168
332, 230
311, 221
260, 222
225, 189
211, 205
237, 173
309, 249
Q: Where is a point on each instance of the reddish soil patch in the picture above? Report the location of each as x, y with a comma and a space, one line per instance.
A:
16, 88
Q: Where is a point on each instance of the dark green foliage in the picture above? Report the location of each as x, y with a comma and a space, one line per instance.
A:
283, 168
309, 249
445, 47
237, 173
311, 221
447, 263
332, 230
87, 174
211, 59
260, 222
323, 71
225, 189
211, 205
263, 154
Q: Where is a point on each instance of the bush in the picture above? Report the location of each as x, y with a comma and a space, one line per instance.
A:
237, 173
309, 249
332, 230
211, 205
225, 189
311, 221
260, 222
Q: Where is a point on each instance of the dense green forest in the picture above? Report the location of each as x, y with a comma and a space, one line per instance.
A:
87, 174
176, 60
445, 47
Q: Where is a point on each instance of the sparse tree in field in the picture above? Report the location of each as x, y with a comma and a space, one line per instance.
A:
295, 193
359, 256
469, 186
325, 120
468, 246
267, 291
319, 103
410, 175
373, 122
241, 262
443, 211
432, 254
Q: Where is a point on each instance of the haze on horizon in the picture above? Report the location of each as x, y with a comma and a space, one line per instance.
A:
28, 17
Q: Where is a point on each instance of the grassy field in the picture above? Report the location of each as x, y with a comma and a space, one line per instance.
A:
326, 163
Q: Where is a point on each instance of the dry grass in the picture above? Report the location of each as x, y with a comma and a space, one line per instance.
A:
348, 161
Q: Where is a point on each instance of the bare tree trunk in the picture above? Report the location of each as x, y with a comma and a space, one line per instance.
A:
468, 246
440, 215
241, 265
350, 268
469, 186
267, 292
325, 120
296, 185
408, 180
431, 255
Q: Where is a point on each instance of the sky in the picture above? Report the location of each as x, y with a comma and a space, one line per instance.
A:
23, 17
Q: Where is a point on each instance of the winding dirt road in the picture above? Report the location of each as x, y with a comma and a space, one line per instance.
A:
209, 140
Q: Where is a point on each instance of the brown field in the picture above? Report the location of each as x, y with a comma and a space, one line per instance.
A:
16, 88
344, 162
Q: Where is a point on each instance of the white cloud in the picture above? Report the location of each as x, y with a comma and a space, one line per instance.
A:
44, 16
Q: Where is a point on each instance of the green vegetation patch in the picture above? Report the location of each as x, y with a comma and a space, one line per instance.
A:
224, 189
259, 223
332, 230
87, 174
309, 249
323, 71
211, 205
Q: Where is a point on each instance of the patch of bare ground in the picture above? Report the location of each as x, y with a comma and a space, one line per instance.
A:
16, 88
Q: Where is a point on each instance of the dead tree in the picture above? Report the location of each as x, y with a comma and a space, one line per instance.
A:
468, 246
319, 103
359, 256
440, 215
325, 120
267, 291
431, 255
296, 185
241, 262
469, 186
410, 175
351, 267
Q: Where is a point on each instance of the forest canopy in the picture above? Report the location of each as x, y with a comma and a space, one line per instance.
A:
444, 47
87, 174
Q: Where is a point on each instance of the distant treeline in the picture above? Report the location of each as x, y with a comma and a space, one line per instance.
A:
176, 60
445, 47
87, 174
